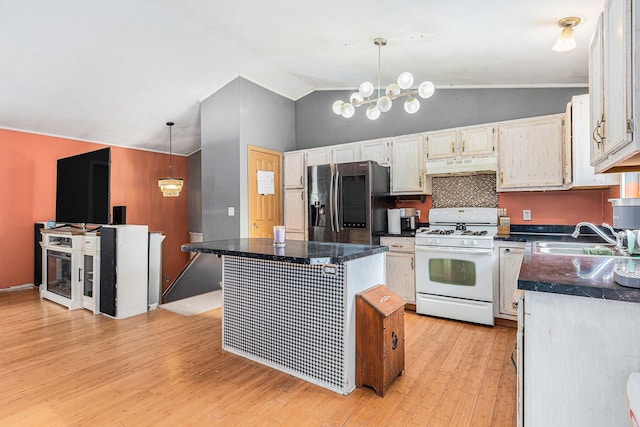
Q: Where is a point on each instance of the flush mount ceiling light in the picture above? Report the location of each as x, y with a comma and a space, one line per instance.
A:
566, 41
170, 186
382, 104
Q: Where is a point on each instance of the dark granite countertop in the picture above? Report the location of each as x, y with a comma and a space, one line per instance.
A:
295, 251
579, 275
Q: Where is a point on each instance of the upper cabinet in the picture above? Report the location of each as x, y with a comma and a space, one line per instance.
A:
319, 156
378, 150
583, 173
462, 142
613, 65
532, 155
294, 169
345, 153
407, 168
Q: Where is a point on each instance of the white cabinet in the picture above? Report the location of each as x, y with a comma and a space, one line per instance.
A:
584, 174
377, 150
578, 354
401, 266
90, 277
509, 256
319, 156
294, 212
407, 167
532, 154
345, 153
441, 145
62, 266
470, 141
615, 92
294, 169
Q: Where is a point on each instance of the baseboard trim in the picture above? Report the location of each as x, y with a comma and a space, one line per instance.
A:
18, 287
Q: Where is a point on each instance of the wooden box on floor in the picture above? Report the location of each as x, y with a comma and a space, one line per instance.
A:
379, 338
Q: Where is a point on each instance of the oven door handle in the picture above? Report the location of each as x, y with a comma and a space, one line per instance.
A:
448, 250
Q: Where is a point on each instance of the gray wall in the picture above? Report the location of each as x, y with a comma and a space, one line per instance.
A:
240, 114
194, 190
317, 125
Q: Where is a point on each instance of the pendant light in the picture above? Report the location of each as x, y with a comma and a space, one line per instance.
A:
382, 103
170, 186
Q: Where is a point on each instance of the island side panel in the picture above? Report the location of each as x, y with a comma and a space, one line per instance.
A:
287, 316
361, 274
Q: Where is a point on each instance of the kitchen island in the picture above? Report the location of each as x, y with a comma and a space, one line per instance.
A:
578, 339
293, 308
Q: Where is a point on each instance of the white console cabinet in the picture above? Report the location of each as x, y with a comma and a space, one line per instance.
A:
105, 272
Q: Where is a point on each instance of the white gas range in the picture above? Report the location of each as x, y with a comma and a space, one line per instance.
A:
454, 264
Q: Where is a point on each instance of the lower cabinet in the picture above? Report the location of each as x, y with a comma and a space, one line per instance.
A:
401, 277
509, 256
295, 213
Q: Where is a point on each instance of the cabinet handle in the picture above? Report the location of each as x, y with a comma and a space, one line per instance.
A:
501, 177
463, 145
514, 305
412, 266
79, 275
300, 180
453, 146
302, 195
396, 246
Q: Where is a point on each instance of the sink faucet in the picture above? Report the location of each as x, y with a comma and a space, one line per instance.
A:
617, 241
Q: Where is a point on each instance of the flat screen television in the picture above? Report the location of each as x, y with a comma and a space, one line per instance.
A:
83, 187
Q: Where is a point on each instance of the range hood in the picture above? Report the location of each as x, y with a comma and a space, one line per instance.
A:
468, 166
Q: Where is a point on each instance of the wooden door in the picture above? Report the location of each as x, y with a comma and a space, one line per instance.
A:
265, 210
294, 169
510, 261
406, 169
377, 151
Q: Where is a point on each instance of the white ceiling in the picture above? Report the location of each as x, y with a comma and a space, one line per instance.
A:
115, 71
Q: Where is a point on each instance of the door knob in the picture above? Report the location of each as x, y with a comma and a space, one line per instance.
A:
254, 226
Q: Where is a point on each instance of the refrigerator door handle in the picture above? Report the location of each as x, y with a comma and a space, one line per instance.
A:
335, 201
331, 199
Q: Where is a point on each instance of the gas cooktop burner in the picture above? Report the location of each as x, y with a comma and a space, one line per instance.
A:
442, 232
474, 233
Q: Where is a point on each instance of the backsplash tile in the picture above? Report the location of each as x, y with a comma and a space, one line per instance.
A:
472, 191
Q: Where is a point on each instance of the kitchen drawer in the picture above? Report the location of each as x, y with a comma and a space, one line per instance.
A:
89, 243
398, 244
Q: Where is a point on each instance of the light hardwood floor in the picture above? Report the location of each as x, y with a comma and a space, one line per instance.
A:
63, 367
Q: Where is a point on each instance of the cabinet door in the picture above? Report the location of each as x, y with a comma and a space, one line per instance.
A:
294, 211
345, 153
510, 261
477, 141
377, 151
401, 275
617, 74
294, 170
318, 156
596, 95
406, 168
583, 173
531, 154
441, 145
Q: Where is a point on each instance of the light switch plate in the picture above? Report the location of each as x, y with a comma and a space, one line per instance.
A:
231, 211
526, 215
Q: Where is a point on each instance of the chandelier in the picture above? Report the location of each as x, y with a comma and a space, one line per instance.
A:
382, 104
170, 186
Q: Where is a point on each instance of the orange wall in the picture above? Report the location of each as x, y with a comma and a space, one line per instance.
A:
28, 165
547, 208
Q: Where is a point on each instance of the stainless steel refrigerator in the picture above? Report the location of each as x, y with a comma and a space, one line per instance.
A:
348, 202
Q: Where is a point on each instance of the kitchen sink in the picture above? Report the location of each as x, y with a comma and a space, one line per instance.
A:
577, 248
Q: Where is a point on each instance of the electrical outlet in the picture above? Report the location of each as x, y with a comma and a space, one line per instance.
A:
526, 215
231, 211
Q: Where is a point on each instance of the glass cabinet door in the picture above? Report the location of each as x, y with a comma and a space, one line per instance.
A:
87, 277
59, 273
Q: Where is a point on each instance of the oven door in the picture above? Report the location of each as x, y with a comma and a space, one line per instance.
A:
455, 272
